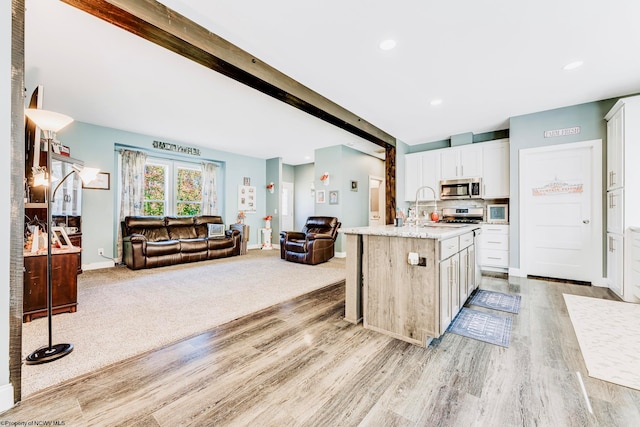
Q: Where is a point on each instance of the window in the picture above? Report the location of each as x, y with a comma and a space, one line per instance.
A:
172, 188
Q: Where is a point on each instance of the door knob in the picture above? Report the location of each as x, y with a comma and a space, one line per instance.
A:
585, 221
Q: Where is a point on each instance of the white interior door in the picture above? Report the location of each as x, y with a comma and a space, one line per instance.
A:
286, 210
376, 201
561, 215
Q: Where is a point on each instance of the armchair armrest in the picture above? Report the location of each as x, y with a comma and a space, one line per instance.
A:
318, 236
292, 234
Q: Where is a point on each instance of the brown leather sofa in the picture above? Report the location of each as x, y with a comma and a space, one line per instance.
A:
314, 244
149, 241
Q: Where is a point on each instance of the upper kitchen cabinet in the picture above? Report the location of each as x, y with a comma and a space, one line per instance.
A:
495, 169
421, 169
615, 147
461, 162
623, 185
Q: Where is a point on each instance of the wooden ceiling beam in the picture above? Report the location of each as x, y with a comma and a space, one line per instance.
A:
157, 23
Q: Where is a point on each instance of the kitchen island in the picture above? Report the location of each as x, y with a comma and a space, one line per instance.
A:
409, 282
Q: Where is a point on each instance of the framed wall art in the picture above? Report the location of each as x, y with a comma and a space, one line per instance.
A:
320, 196
102, 182
247, 198
333, 197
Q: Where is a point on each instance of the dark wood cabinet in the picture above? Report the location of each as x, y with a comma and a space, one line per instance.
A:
64, 273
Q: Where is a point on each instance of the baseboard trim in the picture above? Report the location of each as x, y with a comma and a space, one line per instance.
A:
340, 255
98, 265
6, 397
517, 272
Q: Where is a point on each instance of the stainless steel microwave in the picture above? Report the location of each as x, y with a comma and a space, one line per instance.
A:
455, 189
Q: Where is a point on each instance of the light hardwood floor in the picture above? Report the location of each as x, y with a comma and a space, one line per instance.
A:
301, 364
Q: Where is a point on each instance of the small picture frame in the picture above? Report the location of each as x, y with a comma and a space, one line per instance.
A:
320, 196
246, 181
354, 185
102, 182
60, 238
333, 197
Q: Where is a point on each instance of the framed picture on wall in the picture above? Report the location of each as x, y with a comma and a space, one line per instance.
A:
354, 185
247, 198
320, 196
101, 182
333, 197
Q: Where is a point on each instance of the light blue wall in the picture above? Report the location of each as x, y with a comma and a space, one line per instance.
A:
274, 174
344, 165
304, 202
527, 131
95, 145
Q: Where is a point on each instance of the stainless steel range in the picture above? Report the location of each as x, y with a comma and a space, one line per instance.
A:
463, 215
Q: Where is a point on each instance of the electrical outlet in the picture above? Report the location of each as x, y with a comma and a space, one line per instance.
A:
100, 251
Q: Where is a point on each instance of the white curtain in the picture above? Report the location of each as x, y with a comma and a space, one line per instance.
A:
209, 189
131, 188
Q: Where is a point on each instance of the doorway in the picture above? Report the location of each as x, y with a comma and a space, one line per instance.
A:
377, 203
561, 211
286, 210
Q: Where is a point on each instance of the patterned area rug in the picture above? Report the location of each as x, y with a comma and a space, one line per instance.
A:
496, 300
609, 338
482, 326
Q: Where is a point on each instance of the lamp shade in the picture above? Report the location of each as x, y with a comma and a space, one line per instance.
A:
48, 120
88, 174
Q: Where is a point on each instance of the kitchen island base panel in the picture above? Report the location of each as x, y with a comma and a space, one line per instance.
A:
353, 282
400, 299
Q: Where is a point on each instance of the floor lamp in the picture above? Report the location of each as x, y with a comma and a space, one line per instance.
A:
50, 123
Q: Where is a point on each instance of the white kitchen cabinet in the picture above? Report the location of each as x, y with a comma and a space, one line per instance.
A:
412, 175
615, 211
615, 149
422, 169
623, 186
495, 169
461, 162
615, 263
449, 290
493, 247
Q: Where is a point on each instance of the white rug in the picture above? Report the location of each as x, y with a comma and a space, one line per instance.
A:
122, 313
609, 336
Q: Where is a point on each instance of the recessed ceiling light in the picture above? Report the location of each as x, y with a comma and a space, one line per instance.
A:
387, 44
307, 157
573, 65
436, 102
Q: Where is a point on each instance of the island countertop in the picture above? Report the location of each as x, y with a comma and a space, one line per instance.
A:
435, 231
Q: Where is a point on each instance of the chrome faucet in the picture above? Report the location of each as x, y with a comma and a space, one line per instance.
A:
435, 203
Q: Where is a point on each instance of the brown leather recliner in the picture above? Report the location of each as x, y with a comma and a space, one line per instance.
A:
314, 244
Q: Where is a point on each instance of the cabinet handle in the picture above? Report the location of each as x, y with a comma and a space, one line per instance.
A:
497, 243
613, 178
493, 257
462, 170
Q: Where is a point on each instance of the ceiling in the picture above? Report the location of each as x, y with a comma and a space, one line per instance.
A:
486, 60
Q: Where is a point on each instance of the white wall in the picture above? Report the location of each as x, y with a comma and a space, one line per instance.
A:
6, 390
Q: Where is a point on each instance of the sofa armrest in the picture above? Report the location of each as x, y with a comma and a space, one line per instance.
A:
133, 238
133, 251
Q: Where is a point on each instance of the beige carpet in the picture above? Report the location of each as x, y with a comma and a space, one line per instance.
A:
122, 313
609, 338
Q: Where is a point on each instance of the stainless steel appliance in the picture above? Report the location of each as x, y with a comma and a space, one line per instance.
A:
464, 215
467, 188
498, 213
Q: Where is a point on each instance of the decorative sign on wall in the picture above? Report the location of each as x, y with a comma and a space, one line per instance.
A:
562, 132
177, 148
247, 198
557, 187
